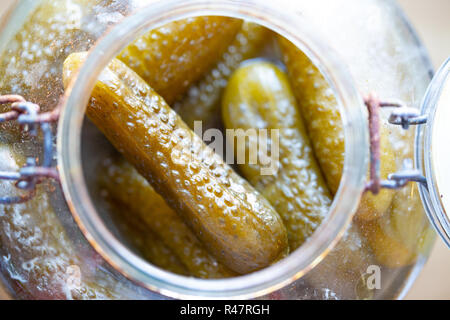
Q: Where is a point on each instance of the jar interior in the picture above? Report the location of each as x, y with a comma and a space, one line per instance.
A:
96, 151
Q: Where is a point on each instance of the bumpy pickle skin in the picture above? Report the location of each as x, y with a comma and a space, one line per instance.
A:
125, 186
202, 101
236, 224
320, 111
173, 57
37, 256
259, 96
398, 237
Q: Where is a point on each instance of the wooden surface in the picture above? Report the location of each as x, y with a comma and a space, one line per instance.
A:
432, 21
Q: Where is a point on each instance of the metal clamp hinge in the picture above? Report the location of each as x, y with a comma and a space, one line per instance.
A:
28, 115
405, 117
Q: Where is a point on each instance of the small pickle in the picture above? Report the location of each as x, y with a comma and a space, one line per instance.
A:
144, 241
259, 96
320, 111
154, 250
124, 185
402, 233
202, 101
173, 57
235, 223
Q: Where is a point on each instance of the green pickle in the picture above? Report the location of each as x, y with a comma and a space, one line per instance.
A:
173, 57
143, 241
202, 102
259, 96
236, 224
126, 187
393, 222
402, 233
320, 110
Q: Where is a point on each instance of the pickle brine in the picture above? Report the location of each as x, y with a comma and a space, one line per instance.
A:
320, 110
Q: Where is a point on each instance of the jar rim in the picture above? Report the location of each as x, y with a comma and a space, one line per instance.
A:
286, 23
427, 147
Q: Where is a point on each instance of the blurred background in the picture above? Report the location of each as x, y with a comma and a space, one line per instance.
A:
432, 22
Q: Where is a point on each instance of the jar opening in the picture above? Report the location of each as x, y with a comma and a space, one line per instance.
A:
72, 166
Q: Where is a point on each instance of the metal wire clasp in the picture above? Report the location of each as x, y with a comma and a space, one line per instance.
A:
403, 116
28, 115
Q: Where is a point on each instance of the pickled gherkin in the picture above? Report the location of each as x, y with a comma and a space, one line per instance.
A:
173, 57
402, 233
154, 250
320, 110
142, 240
202, 101
141, 202
235, 223
259, 96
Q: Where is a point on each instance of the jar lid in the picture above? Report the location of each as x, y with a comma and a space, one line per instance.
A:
432, 154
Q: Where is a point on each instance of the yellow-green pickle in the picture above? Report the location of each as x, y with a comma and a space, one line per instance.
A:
394, 243
402, 233
259, 96
139, 201
236, 224
319, 107
202, 102
176, 55
144, 241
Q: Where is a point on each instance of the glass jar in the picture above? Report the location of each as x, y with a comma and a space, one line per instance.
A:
368, 46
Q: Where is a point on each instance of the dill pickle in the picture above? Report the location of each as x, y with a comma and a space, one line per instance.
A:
176, 55
202, 101
37, 254
236, 224
259, 96
124, 185
144, 241
154, 250
320, 110
402, 233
